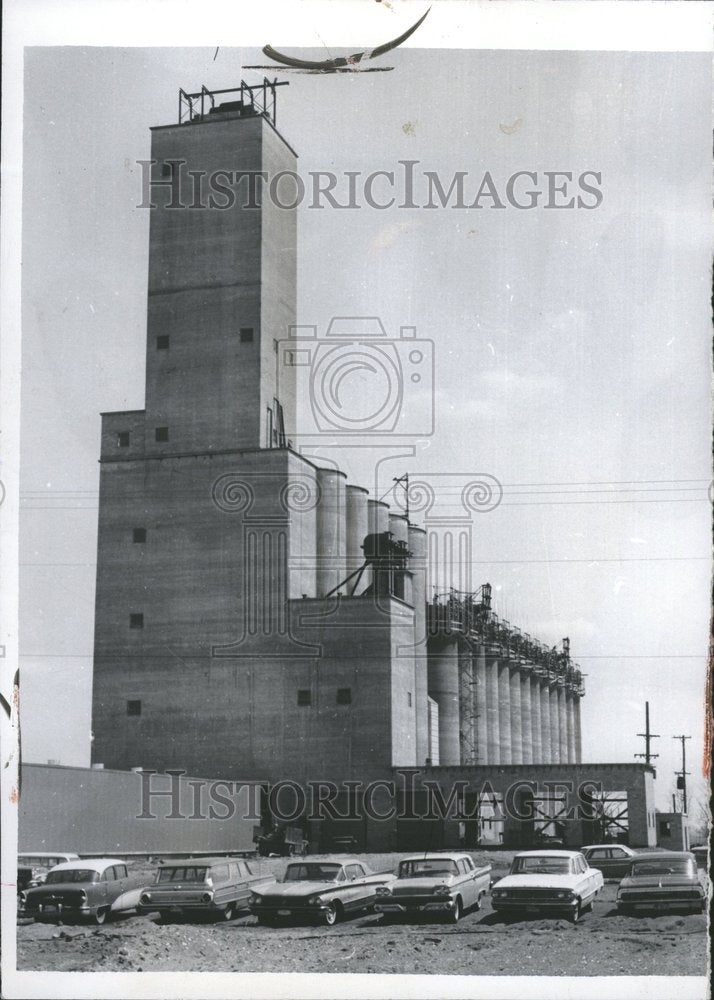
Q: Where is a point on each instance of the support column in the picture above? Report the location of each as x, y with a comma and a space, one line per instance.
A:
443, 673
493, 735
467, 734
563, 725
546, 748
516, 736
570, 717
504, 712
481, 705
578, 734
526, 716
536, 734
554, 724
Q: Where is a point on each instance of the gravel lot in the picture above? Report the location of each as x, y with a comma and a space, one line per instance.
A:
602, 943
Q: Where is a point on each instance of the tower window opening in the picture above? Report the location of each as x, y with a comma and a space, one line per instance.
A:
133, 708
344, 696
139, 535
162, 342
409, 699
304, 697
136, 620
161, 434
123, 439
166, 170
246, 335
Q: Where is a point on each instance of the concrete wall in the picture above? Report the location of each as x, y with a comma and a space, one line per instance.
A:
673, 831
99, 812
224, 549
211, 273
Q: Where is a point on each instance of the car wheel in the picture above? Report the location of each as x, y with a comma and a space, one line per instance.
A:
457, 911
330, 914
100, 916
576, 913
477, 905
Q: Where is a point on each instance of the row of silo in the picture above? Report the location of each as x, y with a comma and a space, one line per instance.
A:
496, 710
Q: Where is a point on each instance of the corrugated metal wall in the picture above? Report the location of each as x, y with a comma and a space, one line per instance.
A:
125, 812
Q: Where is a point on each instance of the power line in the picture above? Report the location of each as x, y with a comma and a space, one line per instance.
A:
595, 656
491, 562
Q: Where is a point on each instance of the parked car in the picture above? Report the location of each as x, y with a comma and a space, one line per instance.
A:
32, 868
324, 890
667, 880
613, 860
702, 855
218, 886
550, 882
91, 888
442, 884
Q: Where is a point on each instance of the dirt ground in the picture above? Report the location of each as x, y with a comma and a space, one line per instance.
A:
602, 943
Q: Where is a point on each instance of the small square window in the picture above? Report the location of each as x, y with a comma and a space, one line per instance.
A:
123, 439
167, 170
139, 534
162, 342
133, 708
344, 696
246, 335
304, 697
161, 434
409, 699
136, 620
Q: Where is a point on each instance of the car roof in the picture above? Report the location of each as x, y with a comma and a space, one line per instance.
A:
439, 856
589, 847
88, 864
327, 861
194, 862
548, 854
665, 855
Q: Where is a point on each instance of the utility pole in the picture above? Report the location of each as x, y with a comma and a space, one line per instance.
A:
403, 481
682, 775
648, 737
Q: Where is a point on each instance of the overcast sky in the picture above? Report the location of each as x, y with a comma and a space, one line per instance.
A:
571, 346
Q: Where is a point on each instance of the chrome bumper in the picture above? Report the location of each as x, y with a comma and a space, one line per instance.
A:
541, 904
432, 906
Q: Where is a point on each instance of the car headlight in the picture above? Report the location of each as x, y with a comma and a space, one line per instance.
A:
255, 898
382, 890
22, 898
561, 895
145, 898
497, 893
311, 900
441, 890
207, 897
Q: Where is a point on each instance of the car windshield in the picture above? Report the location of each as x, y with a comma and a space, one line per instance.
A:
314, 872
427, 866
191, 873
665, 866
72, 875
540, 865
